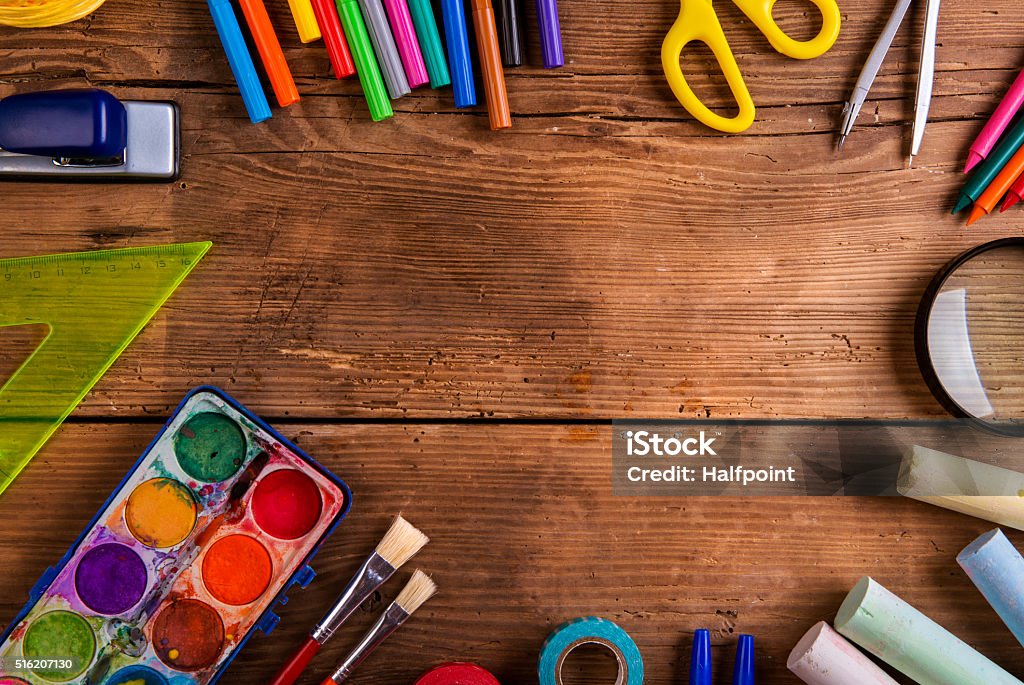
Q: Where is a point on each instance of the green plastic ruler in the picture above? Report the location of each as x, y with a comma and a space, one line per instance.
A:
94, 304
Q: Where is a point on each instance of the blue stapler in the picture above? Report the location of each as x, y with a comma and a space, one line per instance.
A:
87, 135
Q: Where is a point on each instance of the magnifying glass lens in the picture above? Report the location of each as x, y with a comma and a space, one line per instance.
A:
975, 336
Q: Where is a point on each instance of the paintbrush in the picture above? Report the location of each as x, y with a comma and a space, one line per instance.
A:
418, 590
399, 545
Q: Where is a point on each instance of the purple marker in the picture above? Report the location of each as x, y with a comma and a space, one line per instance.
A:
550, 34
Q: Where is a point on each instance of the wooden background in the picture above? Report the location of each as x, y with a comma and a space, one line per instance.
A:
449, 318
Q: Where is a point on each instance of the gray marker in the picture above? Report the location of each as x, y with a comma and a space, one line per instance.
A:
384, 45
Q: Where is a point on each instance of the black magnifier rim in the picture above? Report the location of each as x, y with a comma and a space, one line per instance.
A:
924, 360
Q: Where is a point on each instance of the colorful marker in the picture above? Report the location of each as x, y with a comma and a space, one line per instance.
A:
990, 168
366, 64
510, 32
700, 658
430, 42
305, 20
550, 33
405, 38
999, 186
384, 47
1000, 119
490, 65
270, 52
334, 39
743, 671
1015, 195
240, 60
453, 13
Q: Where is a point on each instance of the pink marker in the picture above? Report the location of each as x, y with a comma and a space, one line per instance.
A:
995, 127
405, 37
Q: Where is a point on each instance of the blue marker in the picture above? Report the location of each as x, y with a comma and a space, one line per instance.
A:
454, 15
700, 658
240, 60
743, 672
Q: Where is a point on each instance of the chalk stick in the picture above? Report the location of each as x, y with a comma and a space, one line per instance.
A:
910, 642
970, 487
824, 657
997, 568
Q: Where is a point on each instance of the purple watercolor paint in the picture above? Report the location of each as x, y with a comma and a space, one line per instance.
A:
110, 579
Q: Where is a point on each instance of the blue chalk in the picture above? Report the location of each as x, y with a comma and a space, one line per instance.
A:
997, 569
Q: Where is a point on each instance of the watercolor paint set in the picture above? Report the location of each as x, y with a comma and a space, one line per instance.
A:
184, 562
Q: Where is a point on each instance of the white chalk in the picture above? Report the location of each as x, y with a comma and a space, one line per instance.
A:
997, 569
824, 657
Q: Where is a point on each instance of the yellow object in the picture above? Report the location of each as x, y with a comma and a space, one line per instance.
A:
39, 13
305, 20
161, 512
698, 22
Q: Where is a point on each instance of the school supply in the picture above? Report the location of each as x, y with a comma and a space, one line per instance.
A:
743, 670
41, 13
495, 93
453, 14
987, 170
998, 188
405, 39
239, 60
400, 544
423, 19
457, 673
418, 590
925, 73
550, 34
700, 658
590, 631
910, 642
824, 657
370, 79
963, 485
997, 569
384, 48
94, 304
88, 135
997, 124
267, 45
187, 559
510, 32
334, 39
697, 21
305, 20
1015, 194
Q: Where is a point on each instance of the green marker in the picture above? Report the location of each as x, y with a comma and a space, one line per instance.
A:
366, 64
990, 168
430, 42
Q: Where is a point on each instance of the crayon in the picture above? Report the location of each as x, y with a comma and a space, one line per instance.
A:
550, 33
1015, 194
987, 171
240, 60
453, 14
430, 42
997, 124
743, 669
997, 569
384, 47
700, 658
510, 32
305, 20
910, 642
824, 657
999, 186
270, 52
490, 65
370, 78
405, 38
334, 39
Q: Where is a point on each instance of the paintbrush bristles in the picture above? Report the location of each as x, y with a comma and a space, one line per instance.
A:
418, 590
401, 542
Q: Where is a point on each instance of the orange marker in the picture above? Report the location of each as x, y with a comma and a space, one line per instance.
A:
490, 65
1015, 195
270, 52
998, 187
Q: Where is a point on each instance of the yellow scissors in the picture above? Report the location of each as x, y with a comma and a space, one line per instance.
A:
698, 21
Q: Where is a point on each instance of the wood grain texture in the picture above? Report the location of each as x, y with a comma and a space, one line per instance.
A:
394, 292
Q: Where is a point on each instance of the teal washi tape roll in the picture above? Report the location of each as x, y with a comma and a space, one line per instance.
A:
590, 631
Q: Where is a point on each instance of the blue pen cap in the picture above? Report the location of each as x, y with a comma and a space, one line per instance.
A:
700, 658
81, 123
743, 673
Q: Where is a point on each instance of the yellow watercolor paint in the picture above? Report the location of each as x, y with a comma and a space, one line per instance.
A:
161, 512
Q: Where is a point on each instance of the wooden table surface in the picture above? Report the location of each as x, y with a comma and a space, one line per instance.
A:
450, 318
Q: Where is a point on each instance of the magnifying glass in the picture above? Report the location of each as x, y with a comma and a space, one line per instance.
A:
969, 336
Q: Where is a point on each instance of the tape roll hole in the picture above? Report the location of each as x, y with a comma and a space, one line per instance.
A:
592, 661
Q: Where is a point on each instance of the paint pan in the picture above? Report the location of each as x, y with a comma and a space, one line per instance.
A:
186, 560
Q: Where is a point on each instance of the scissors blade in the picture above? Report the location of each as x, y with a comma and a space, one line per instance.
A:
925, 76
871, 68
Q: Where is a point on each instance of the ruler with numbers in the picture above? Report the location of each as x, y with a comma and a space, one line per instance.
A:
94, 304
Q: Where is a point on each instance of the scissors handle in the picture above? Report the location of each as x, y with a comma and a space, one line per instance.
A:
760, 12
697, 22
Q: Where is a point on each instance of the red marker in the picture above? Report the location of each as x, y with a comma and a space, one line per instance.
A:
334, 39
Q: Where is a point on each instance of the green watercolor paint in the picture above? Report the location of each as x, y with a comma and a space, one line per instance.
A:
210, 447
60, 635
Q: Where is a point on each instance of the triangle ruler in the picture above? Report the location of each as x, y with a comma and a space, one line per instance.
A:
94, 304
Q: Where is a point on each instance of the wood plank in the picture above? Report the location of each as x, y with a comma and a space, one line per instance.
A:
526, 534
